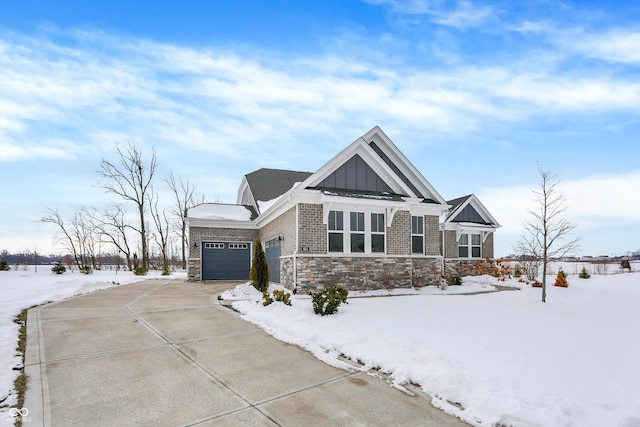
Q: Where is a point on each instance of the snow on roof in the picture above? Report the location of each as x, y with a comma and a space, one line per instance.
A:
221, 212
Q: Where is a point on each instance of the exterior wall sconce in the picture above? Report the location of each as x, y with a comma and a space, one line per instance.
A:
195, 244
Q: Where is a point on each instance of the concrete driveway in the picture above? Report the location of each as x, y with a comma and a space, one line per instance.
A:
165, 353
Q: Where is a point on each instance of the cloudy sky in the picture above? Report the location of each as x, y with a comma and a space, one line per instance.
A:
477, 94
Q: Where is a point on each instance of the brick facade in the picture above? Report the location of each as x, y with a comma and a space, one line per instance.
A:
399, 234
431, 235
313, 232
284, 226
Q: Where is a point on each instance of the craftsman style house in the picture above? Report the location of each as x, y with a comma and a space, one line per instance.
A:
365, 218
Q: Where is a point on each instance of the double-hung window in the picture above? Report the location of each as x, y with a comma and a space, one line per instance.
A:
476, 246
357, 232
470, 246
336, 231
417, 235
377, 232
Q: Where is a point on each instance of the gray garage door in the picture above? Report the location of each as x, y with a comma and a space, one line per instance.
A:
226, 261
272, 250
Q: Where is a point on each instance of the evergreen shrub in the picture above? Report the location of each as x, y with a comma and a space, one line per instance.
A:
140, 271
327, 301
584, 274
259, 274
4, 265
58, 268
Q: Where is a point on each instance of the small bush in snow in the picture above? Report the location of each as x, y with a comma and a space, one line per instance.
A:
4, 265
140, 271
280, 296
86, 270
561, 280
327, 301
584, 274
536, 284
267, 298
58, 268
454, 280
517, 272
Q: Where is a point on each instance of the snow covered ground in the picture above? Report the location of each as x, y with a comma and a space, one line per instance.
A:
502, 357
22, 289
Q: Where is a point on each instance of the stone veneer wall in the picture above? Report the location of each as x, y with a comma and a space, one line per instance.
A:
284, 226
360, 272
198, 235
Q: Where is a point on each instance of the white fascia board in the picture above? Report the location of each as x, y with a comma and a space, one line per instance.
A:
360, 147
429, 209
477, 204
470, 226
217, 223
402, 162
244, 184
286, 202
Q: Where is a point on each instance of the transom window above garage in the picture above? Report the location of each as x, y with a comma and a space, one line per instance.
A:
238, 245
214, 245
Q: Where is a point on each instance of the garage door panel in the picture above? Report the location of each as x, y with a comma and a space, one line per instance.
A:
273, 250
226, 261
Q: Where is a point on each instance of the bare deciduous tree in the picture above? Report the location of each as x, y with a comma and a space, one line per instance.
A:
112, 226
130, 178
545, 232
70, 233
185, 198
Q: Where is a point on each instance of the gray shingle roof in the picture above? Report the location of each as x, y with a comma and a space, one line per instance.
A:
267, 184
457, 202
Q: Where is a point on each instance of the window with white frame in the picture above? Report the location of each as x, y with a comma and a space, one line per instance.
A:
336, 231
476, 246
357, 232
366, 232
377, 232
417, 235
470, 245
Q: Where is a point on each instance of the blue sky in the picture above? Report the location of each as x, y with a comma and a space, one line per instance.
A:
476, 94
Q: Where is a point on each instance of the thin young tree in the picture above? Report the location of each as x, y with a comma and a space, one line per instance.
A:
162, 227
545, 232
130, 177
185, 197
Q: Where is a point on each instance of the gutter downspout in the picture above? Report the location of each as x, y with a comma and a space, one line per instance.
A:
295, 252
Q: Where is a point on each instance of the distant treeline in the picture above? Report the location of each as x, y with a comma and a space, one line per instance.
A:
33, 258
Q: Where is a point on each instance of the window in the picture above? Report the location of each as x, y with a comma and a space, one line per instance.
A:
377, 232
357, 232
336, 228
476, 246
471, 246
417, 235
238, 245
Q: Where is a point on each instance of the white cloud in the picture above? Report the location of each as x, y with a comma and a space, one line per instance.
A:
592, 202
458, 14
217, 101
